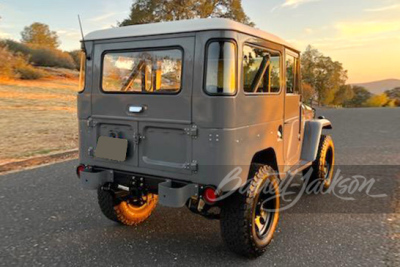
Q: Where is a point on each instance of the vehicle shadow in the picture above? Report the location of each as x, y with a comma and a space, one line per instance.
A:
178, 237
169, 237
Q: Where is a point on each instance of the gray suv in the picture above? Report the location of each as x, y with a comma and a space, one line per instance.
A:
202, 113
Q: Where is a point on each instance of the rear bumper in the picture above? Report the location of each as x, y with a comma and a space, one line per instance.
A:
94, 180
172, 193
176, 197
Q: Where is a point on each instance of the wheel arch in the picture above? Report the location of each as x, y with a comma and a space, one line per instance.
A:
265, 157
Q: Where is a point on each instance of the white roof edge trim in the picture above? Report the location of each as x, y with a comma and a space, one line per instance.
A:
182, 26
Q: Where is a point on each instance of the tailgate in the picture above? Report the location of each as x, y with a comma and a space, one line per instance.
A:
145, 97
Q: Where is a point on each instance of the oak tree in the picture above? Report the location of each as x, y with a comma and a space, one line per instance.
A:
323, 74
148, 11
40, 35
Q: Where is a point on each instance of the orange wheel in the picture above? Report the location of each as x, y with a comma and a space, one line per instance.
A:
132, 214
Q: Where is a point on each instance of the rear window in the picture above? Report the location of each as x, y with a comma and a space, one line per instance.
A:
155, 72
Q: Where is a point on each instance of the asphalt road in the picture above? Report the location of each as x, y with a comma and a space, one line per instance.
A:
46, 219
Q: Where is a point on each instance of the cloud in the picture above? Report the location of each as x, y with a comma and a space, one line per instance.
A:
292, 4
75, 34
385, 8
103, 17
69, 33
343, 43
5, 35
308, 30
356, 29
6, 26
296, 3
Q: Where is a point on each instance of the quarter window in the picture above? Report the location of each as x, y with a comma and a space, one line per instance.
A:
221, 68
143, 71
82, 71
292, 84
261, 70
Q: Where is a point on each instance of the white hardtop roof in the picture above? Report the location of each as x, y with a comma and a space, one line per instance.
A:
183, 26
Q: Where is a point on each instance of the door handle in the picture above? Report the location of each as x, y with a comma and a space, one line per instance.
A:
136, 109
280, 132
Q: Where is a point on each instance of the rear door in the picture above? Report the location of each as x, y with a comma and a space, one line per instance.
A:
144, 96
292, 123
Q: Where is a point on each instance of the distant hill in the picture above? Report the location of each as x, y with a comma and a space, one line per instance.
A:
379, 87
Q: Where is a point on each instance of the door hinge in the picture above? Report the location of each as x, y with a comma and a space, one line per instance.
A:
191, 166
91, 123
192, 131
137, 137
90, 151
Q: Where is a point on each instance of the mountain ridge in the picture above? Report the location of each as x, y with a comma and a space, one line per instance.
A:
379, 87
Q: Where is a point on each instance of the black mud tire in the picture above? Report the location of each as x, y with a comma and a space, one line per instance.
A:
238, 226
322, 168
107, 202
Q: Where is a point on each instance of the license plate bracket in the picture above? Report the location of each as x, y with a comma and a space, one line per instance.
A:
111, 148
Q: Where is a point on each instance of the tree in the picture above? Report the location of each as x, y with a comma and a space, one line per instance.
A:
377, 101
323, 74
308, 93
6, 59
15, 65
394, 93
343, 95
361, 95
147, 11
39, 35
48, 57
76, 56
394, 96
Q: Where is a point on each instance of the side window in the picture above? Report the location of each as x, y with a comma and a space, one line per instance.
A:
221, 68
261, 70
292, 83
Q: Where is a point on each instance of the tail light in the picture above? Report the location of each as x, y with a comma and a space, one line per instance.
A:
80, 169
209, 195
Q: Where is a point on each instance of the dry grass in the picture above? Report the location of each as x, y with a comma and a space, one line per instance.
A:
37, 117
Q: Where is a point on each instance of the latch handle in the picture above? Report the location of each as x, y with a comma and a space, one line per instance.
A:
136, 109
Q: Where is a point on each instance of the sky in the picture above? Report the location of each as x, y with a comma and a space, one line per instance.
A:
364, 35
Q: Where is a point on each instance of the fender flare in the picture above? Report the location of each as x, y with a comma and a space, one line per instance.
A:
312, 134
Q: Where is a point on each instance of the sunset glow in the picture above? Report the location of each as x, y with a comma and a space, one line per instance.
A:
362, 34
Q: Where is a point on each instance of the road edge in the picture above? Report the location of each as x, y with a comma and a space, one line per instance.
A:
38, 161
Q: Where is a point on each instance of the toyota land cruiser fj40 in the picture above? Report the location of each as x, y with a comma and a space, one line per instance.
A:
168, 112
